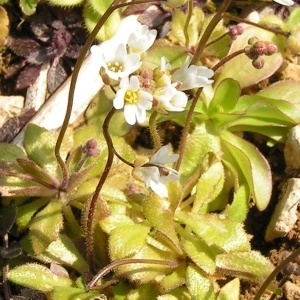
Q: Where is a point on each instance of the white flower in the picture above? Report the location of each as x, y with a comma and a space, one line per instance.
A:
155, 174
141, 39
285, 2
168, 98
190, 77
116, 61
134, 100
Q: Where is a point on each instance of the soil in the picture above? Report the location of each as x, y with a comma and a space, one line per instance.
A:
257, 221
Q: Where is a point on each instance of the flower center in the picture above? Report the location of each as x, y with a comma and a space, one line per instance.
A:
115, 66
131, 97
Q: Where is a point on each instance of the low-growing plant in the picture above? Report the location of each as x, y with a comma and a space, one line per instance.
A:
169, 225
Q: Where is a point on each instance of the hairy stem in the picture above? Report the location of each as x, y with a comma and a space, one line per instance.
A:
187, 22
153, 130
201, 46
126, 261
75, 74
93, 203
238, 19
211, 26
227, 58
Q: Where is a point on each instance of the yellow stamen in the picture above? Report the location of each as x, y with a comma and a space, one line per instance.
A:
131, 97
115, 66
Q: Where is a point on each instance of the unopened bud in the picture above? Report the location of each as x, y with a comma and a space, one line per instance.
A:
235, 30
258, 63
253, 40
90, 148
250, 53
259, 48
271, 49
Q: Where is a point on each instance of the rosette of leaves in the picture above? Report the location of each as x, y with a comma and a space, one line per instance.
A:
218, 124
48, 211
58, 36
166, 249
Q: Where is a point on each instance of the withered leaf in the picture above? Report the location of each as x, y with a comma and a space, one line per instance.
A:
28, 76
23, 47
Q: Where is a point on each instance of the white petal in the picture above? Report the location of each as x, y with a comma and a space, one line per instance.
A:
159, 188
119, 99
162, 156
124, 83
121, 53
144, 100
140, 115
285, 2
130, 113
148, 174
134, 83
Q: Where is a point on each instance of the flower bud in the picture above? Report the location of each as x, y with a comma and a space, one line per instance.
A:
90, 148
252, 40
250, 53
235, 30
271, 49
258, 63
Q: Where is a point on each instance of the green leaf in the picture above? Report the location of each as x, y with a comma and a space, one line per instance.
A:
63, 251
30, 167
198, 284
45, 226
239, 207
159, 214
37, 277
248, 265
253, 166
293, 19
174, 280
225, 97
127, 240
209, 186
27, 210
147, 271
10, 153
216, 230
230, 291
240, 67
109, 29
194, 26
199, 143
28, 6
287, 90
198, 251
39, 145
59, 293
274, 111
174, 54
113, 221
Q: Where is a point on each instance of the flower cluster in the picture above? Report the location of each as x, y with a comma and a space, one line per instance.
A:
140, 89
